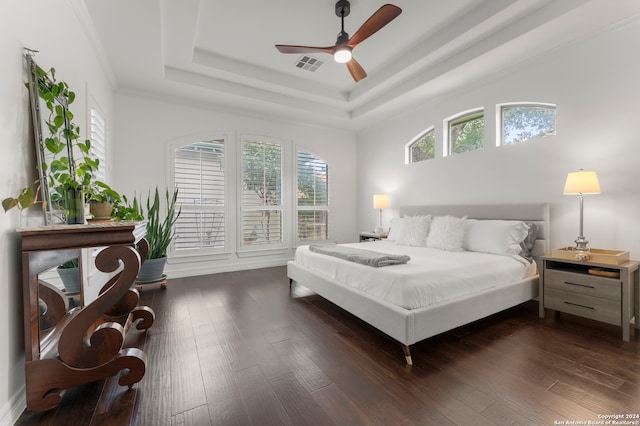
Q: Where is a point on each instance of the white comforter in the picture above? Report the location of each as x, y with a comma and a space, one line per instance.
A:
431, 276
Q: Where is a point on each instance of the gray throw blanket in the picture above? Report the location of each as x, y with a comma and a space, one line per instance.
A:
364, 257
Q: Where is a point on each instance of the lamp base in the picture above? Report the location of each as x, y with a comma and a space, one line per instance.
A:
582, 244
582, 249
378, 230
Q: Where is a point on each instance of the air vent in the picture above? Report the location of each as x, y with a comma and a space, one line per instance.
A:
309, 63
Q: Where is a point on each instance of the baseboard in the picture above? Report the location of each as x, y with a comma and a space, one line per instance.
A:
13, 409
175, 272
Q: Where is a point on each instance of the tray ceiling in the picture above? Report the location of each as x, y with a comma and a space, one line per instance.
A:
222, 55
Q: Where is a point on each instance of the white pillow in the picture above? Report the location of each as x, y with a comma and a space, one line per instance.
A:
395, 229
414, 231
447, 233
495, 236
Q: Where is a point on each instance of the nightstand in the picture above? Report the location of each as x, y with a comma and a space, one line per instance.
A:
599, 291
371, 236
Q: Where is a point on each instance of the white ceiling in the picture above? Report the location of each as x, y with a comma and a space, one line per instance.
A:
221, 54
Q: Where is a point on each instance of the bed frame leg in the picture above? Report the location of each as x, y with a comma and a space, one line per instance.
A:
407, 354
290, 282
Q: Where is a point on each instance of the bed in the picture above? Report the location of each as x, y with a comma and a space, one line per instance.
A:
390, 303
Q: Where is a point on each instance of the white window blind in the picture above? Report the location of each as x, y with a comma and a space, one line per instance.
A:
99, 143
200, 177
313, 198
261, 203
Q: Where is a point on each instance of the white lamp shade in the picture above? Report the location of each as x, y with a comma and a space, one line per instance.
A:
380, 201
582, 182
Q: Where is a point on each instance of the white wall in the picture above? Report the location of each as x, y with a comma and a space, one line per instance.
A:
596, 87
146, 127
54, 28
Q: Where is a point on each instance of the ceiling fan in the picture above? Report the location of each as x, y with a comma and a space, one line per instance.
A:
341, 51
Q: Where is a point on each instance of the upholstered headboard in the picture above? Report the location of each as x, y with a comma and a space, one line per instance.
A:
536, 213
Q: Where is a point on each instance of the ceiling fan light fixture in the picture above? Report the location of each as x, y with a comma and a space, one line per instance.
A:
341, 50
342, 55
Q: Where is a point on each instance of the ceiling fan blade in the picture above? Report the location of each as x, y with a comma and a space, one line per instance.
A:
379, 19
285, 48
356, 70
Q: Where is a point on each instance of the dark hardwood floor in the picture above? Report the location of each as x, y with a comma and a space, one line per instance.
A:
242, 348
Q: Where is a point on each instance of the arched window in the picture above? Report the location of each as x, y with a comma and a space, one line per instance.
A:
465, 132
525, 121
422, 147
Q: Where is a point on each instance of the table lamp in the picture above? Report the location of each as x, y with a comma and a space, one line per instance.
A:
380, 201
581, 183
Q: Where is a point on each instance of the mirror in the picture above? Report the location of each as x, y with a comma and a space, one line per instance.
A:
59, 292
53, 138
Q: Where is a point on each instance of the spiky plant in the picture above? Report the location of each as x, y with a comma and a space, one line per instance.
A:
160, 227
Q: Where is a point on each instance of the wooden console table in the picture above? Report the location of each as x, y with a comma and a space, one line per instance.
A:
64, 349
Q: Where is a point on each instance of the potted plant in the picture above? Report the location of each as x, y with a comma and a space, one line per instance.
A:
66, 176
160, 230
69, 273
101, 198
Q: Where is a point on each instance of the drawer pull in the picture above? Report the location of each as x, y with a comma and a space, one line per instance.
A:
580, 306
579, 285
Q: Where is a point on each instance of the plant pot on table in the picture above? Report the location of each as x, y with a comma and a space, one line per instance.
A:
101, 210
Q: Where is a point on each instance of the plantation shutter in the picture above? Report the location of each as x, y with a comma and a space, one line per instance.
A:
261, 203
199, 176
99, 143
313, 198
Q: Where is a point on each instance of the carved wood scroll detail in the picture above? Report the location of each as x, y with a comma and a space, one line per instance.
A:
86, 343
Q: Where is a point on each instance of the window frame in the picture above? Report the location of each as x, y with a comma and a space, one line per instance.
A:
408, 158
243, 249
184, 255
459, 118
500, 120
203, 208
298, 208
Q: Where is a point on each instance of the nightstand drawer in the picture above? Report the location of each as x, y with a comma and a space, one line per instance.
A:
582, 305
589, 285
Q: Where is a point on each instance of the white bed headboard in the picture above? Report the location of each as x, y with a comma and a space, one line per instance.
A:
536, 213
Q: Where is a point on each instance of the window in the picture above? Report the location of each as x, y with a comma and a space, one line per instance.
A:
522, 122
261, 204
466, 133
313, 198
99, 143
199, 172
422, 148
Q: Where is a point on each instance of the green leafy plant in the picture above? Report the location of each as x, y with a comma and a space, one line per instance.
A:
26, 198
160, 226
63, 141
73, 263
62, 169
100, 192
127, 211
